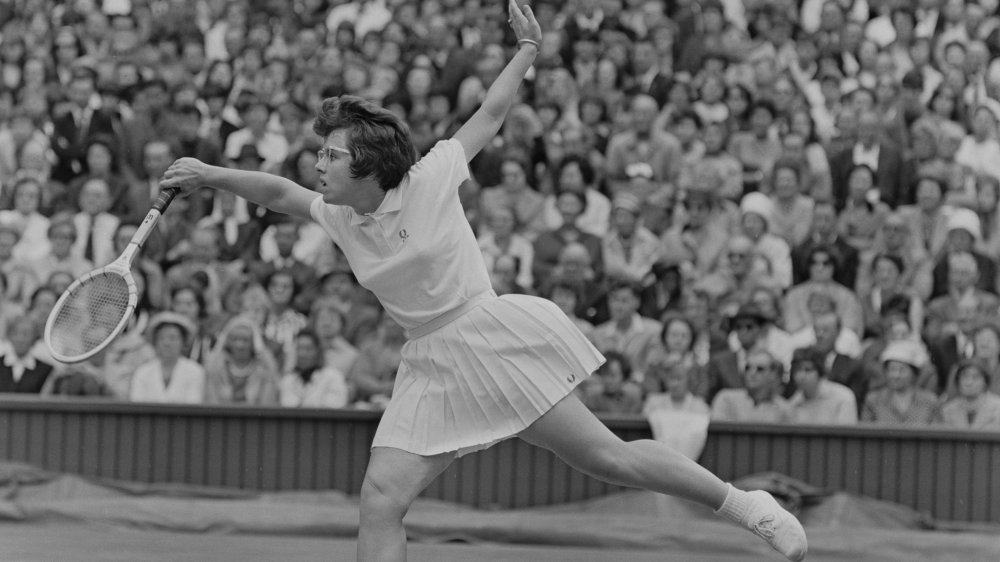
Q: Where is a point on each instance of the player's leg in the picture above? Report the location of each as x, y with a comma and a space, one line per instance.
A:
574, 434
393, 480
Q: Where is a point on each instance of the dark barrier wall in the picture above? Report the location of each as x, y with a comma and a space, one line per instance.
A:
952, 475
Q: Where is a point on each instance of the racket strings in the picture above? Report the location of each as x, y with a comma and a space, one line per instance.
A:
90, 315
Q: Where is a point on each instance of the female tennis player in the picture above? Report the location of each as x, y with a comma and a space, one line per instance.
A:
476, 368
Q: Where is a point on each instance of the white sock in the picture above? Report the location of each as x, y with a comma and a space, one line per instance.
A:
736, 505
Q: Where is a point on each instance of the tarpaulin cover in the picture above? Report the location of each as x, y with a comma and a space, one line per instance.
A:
51, 516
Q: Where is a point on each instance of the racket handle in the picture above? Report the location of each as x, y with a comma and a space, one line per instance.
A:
166, 196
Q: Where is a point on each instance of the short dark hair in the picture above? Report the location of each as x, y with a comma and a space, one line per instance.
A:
379, 142
809, 355
586, 170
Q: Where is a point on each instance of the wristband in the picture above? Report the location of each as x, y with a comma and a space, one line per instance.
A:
528, 41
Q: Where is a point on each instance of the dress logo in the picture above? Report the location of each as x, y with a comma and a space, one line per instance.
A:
403, 235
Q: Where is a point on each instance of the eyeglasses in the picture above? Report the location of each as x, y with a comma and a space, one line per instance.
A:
823, 263
758, 368
326, 153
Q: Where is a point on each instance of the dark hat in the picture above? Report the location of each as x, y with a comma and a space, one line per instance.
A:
249, 151
752, 311
913, 80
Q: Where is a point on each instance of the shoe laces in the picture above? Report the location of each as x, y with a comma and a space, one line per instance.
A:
764, 527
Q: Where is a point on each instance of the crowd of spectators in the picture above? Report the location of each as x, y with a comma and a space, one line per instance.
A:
762, 210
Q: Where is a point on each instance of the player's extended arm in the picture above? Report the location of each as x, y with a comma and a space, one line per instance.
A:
274, 192
485, 122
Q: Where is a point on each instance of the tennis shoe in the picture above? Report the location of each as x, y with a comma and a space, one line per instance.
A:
779, 528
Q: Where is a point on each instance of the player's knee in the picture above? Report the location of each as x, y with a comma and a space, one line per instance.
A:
379, 502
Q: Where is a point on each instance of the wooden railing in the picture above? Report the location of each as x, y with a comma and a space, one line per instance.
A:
953, 475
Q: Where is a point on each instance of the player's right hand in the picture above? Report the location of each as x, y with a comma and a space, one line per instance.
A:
186, 174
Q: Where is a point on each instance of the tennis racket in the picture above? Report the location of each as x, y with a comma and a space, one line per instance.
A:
96, 307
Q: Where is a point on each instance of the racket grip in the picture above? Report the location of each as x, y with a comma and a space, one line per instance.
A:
166, 196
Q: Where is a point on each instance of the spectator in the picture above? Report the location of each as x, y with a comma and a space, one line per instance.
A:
916, 275
272, 147
101, 161
169, 377
503, 239
662, 290
675, 348
575, 173
699, 236
20, 371
189, 303
230, 216
794, 211
374, 372
515, 192
759, 400
774, 256
824, 232
864, 211
613, 390
311, 384
727, 368
95, 224
986, 350
642, 160
77, 122
675, 415
964, 236
819, 400
890, 174
627, 332
33, 244
901, 401
327, 322
241, 369
62, 236
972, 405
822, 274
629, 249
566, 295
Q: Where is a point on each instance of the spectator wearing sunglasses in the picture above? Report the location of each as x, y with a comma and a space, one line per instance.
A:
759, 401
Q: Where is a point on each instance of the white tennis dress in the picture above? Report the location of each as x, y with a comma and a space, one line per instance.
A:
477, 368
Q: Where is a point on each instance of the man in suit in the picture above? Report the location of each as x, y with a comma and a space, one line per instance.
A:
20, 371
839, 368
76, 124
824, 234
727, 369
286, 236
893, 174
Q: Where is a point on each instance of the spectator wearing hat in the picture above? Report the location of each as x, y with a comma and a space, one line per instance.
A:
817, 399
972, 406
823, 232
758, 399
726, 368
891, 174
756, 215
169, 377
627, 332
901, 401
822, 272
964, 236
629, 248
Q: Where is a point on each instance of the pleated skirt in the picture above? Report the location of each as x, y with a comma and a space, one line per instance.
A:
483, 375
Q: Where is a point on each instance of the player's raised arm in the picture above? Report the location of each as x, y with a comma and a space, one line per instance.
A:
274, 192
486, 121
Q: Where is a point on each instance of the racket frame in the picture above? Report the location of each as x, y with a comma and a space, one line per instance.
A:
121, 267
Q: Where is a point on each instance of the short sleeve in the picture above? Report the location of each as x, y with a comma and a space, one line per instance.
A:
327, 216
444, 167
